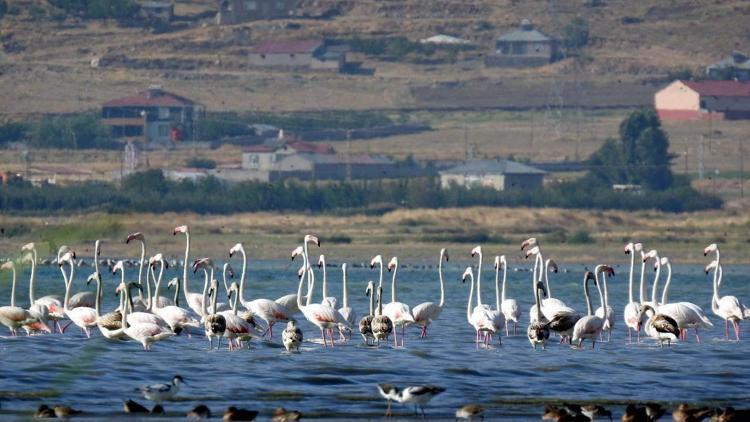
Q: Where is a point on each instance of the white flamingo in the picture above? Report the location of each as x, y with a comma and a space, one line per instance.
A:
53, 303
110, 324
687, 314
83, 316
145, 316
145, 333
496, 314
238, 328
85, 299
609, 317
327, 300
729, 308
290, 301
551, 307
39, 311
632, 310
141, 264
398, 312
538, 331
322, 316
266, 309
479, 317
426, 312
509, 307
14, 316
177, 318
346, 311
194, 300
590, 326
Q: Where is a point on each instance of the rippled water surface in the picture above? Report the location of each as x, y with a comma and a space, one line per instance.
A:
512, 379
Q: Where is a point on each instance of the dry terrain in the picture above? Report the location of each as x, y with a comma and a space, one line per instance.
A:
414, 235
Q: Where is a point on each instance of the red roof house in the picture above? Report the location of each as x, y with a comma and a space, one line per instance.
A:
697, 100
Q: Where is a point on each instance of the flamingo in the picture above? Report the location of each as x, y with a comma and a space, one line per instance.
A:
193, 299
729, 308
269, 311
509, 307
687, 314
538, 331
177, 318
496, 314
84, 317
110, 324
207, 265
365, 324
382, 326
145, 333
562, 318
290, 301
85, 299
53, 303
480, 317
327, 300
322, 316
145, 316
238, 329
398, 312
659, 326
14, 316
426, 312
609, 320
346, 311
39, 311
590, 326
215, 324
631, 312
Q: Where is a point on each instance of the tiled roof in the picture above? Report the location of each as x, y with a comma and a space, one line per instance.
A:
720, 88
525, 33
151, 98
479, 167
286, 47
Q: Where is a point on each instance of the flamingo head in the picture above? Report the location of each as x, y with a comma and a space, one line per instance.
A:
301, 271
233, 288
651, 254
589, 276
203, 263
444, 254
629, 248
28, 247
65, 249
135, 236
7, 265
156, 259
173, 282
378, 259
645, 307
711, 266
476, 251
119, 265
530, 242
393, 263
540, 286
93, 277
343, 268
710, 248
532, 251
321, 261
638, 247
552, 264
66, 257
180, 229
664, 260
236, 248
467, 273
299, 250
28, 258
313, 239
497, 263
369, 288
607, 270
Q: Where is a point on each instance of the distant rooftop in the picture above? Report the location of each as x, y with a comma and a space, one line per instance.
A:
736, 59
479, 167
286, 46
152, 97
720, 88
443, 39
525, 32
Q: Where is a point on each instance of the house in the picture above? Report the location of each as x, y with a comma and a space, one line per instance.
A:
232, 12
157, 11
696, 100
735, 66
152, 116
524, 47
495, 174
296, 54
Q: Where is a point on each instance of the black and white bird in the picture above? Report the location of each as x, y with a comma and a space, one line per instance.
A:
418, 395
390, 393
161, 392
292, 336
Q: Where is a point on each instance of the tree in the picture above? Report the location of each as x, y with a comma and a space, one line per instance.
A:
640, 157
3, 8
576, 35
78, 131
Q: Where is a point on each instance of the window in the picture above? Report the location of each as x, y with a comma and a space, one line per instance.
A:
163, 130
251, 5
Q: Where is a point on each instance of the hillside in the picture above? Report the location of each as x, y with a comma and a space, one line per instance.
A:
45, 66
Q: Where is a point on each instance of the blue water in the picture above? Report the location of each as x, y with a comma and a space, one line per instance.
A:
512, 381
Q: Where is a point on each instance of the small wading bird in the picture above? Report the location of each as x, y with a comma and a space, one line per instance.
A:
418, 395
161, 392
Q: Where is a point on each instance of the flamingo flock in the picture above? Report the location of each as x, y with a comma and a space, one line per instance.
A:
148, 318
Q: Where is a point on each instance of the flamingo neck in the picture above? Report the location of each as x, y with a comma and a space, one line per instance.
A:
125, 298
715, 298
241, 293
538, 304
140, 269
665, 292
393, 283
442, 282
157, 286
656, 283
546, 279
380, 301
479, 281
505, 276
185, 287
471, 296
13, 288
497, 288
32, 279
205, 293
98, 301
325, 280
588, 299
372, 300
311, 286
344, 293
643, 294
299, 288
533, 274
67, 291
630, 278
177, 294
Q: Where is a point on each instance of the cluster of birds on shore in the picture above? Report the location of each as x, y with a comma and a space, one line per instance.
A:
149, 317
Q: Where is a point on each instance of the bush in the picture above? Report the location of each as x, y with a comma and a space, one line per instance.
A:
76, 132
99, 9
12, 132
201, 163
580, 237
576, 35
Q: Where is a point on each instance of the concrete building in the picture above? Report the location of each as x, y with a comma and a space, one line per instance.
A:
524, 47
495, 174
691, 100
735, 66
237, 11
152, 116
296, 54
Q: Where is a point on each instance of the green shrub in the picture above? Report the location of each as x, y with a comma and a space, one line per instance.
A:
201, 163
580, 237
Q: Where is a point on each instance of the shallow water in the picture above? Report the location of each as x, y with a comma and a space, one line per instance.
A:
512, 380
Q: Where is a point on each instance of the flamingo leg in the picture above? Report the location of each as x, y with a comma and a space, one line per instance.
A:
697, 335
726, 329
403, 329
330, 334
323, 334
395, 337
210, 343
593, 344
65, 327
515, 326
218, 343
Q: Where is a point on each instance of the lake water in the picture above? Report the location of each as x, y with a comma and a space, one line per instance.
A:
513, 381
